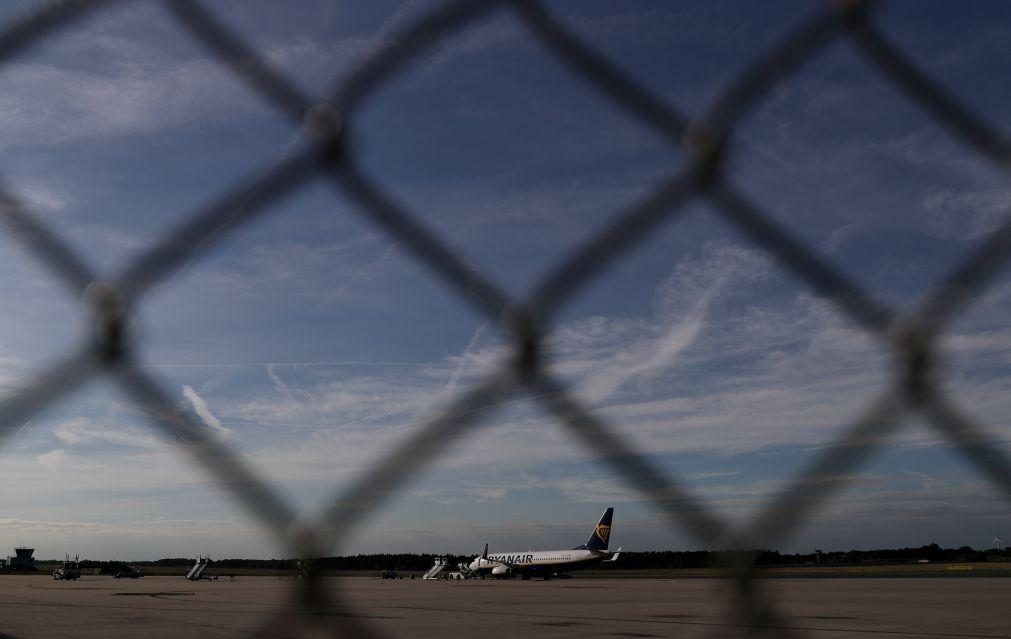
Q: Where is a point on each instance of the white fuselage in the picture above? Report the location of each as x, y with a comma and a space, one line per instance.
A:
536, 560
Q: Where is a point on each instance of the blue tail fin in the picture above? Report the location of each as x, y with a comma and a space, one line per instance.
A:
601, 534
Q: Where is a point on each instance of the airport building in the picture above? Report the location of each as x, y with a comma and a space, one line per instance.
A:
22, 559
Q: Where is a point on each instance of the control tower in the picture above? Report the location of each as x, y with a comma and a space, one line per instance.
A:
22, 559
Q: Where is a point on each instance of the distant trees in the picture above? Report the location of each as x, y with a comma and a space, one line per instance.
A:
644, 560
704, 559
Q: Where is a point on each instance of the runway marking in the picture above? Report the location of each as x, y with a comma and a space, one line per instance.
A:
156, 595
867, 631
76, 588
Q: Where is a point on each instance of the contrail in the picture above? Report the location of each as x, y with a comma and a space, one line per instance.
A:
451, 384
354, 277
10, 440
285, 390
279, 383
652, 356
205, 414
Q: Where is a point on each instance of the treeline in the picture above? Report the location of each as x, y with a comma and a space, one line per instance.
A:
709, 559
644, 560
395, 561
398, 561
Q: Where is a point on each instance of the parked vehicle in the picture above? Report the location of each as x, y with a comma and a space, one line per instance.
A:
68, 570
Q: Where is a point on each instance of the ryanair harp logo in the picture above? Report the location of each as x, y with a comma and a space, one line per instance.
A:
602, 531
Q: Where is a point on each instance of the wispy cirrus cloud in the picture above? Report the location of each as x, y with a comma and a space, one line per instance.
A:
85, 431
205, 414
682, 304
134, 73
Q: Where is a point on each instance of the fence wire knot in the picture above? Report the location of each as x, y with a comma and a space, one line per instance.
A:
108, 312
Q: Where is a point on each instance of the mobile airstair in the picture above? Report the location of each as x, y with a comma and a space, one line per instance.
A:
196, 573
440, 564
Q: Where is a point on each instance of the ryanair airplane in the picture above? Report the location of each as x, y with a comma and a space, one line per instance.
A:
546, 563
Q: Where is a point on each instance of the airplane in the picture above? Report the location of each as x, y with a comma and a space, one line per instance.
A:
547, 563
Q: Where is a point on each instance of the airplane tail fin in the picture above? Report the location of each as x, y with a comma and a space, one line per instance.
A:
484, 555
601, 533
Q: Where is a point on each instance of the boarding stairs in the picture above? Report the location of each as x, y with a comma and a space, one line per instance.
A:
196, 573
441, 563
466, 571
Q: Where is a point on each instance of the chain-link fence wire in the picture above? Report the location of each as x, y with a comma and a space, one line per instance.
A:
319, 606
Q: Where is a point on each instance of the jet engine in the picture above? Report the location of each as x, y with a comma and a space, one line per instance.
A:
501, 571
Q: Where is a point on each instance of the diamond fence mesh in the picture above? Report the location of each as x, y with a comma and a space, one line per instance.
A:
911, 336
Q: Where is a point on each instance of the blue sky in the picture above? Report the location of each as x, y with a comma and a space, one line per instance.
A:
313, 343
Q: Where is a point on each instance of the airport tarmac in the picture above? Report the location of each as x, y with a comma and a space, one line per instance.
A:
155, 607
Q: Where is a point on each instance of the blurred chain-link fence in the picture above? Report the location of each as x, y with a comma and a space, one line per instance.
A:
911, 336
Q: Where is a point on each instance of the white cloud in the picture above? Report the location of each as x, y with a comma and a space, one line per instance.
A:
41, 197
54, 459
839, 237
647, 357
205, 414
44, 527
967, 213
682, 303
81, 431
798, 374
133, 71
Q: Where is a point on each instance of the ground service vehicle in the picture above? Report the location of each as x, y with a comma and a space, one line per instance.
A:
68, 570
